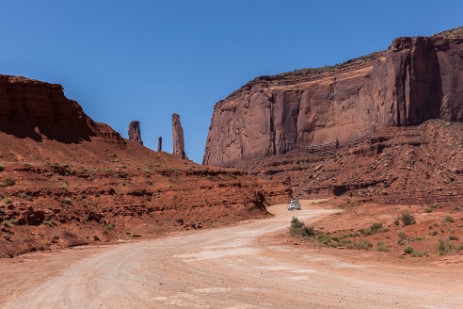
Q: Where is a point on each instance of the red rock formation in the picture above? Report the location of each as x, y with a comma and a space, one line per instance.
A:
39, 110
160, 143
416, 79
177, 137
99, 188
134, 132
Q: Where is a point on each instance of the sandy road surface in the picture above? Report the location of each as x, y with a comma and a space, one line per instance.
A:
233, 267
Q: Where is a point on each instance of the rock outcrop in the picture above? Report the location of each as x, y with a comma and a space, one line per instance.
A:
415, 80
134, 132
39, 110
177, 137
160, 143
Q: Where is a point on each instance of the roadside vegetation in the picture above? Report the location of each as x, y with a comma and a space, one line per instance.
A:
428, 232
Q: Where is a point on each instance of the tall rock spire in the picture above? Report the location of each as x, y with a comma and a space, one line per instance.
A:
177, 137
160, 143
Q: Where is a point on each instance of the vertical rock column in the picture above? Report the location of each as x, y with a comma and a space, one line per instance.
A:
160, 143
134, 132
177, 137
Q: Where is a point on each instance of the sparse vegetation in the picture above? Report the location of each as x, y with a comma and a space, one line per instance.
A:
2, 168
25, 196
6, 223
448, 219
298, 228
7, 201
444, 246
401, 237
50, 223
382, 247
374, 229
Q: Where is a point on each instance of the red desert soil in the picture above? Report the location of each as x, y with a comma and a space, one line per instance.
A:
247, 265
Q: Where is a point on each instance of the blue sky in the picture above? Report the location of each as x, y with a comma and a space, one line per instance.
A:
146, 59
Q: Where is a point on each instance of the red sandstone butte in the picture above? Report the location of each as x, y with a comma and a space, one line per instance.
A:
416, 79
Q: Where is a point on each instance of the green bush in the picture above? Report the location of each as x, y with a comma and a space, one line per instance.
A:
449, 219
444, 247
298, 228
407, 218
408, 250
376, 226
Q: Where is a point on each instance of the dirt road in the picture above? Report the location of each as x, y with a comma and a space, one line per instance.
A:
233, 267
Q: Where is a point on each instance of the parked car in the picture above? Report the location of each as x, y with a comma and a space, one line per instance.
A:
294, 205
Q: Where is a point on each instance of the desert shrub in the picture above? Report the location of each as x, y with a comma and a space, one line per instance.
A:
25, 196
434, 233
382, 247
109, 227
67, 201
296, 223
407, 218
419, 253
7, 201
408, 250
6, 223
448, 219
2, 168
9, 182
376, 226
402, 237
50, 223
364, 245
308, 231
298, 228
453, 237
444, 247
397, 221
428, 210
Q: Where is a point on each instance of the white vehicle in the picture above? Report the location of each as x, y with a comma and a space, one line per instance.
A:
294, 205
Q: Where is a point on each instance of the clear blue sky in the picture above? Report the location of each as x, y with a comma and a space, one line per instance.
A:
146, 59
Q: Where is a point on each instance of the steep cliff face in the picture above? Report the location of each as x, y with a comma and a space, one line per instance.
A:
39, 110
416, 79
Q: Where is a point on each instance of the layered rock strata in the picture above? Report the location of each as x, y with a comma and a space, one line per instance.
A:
415, 80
